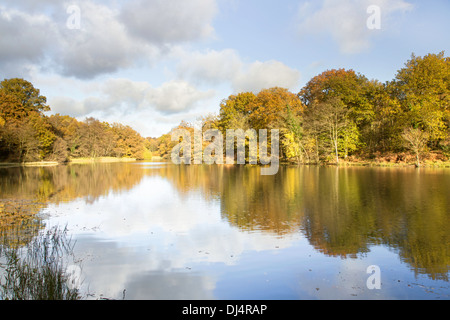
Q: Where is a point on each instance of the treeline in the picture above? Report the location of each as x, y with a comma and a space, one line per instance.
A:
27, 134
338, 115
341, 114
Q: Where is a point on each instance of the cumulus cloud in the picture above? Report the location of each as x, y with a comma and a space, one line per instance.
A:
211, 67
68, 106
176, 96
24, 39
226, 66
263, 75
160, 21
110, 37
346, 21
37, 44
124, 96
100, 46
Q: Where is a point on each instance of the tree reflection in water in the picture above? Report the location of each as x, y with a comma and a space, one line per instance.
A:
341, 211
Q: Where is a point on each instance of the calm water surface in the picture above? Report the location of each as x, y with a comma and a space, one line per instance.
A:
160, 231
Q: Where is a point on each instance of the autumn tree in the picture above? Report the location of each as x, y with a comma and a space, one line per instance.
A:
44, 134
26, 132
416, 141
273, 108
28, 96
10, 122
235, 111
19, 141
270, 105
383, 133
353, 89
68, 128
334, 131
423, 90
151, 144
127, 142
94, 139
292, 132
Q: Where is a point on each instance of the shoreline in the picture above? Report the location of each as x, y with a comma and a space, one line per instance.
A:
342, 163
375, 164
71, 161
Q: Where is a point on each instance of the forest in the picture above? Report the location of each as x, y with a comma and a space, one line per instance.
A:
338, 116
28, 134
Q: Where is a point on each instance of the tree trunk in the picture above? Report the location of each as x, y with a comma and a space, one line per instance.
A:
337, 153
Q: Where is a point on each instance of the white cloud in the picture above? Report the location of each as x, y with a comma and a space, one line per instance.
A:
226, 66
159, 21
102, 45
176, 96
137, 104
210, 67
346, 21
189, 223
24, 40
110, 37
67, 106
264, 75
126, 91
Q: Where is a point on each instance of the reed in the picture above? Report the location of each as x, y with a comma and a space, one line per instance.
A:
38, 271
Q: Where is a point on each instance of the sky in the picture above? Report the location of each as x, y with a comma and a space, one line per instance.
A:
150, 64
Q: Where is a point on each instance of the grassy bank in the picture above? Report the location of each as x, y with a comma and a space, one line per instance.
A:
404, 159
29, 164
430, 160
101, 160
394, 160
426, 164
75, 160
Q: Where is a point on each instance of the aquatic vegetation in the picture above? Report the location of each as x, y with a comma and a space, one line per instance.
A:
38, 271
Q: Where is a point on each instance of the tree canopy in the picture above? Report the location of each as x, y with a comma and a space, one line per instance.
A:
337, 115
28, 134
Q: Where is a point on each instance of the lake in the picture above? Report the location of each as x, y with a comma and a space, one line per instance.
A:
149, 230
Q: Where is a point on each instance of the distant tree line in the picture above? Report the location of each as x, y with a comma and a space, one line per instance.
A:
27, 134
338, 115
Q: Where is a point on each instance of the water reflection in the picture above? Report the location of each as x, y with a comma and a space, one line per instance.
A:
159, 221
342, 211
24, 192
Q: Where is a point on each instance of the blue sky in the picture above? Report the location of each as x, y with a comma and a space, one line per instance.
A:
152, 63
